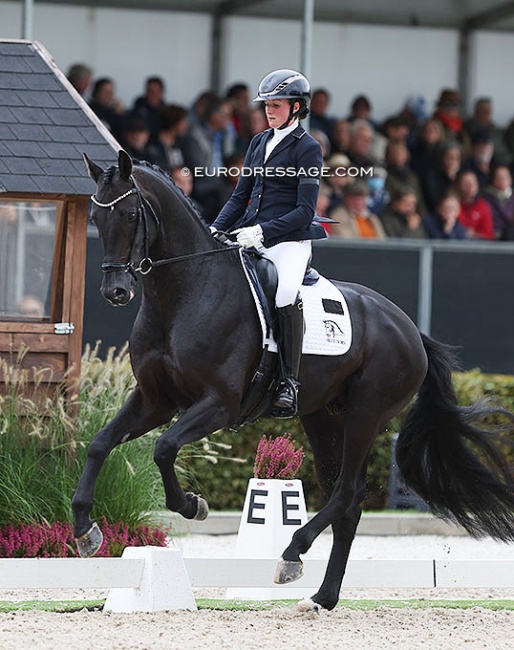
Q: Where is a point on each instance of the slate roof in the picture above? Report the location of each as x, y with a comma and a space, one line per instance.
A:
45, 126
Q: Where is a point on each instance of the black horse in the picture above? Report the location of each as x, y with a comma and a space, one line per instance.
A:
195, 347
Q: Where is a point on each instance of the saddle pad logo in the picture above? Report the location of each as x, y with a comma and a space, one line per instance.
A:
334, 333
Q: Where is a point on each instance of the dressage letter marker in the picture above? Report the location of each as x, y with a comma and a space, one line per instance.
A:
273, 510
252, 519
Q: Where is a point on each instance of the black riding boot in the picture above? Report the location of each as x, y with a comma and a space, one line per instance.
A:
290, 334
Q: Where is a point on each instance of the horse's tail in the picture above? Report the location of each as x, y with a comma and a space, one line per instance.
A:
452, 464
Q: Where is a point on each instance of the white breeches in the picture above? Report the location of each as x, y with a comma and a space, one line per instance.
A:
291, 259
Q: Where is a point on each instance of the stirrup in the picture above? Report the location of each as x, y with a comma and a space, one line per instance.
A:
287, 395
285, 403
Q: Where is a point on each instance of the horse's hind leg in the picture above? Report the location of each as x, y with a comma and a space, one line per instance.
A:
135, 418
326, 436
341, 446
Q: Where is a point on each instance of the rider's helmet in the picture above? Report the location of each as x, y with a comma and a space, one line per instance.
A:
286, 84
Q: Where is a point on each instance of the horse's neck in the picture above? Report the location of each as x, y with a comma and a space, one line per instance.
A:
181, 231
180, 243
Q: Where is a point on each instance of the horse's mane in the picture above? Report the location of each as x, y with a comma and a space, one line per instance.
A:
177, 191
108, 177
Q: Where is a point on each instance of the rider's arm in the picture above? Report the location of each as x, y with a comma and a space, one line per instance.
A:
235, 207
308, 166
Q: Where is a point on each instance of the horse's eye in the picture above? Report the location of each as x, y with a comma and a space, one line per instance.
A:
132, 215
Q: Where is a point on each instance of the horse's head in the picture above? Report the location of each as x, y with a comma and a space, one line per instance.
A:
120, 212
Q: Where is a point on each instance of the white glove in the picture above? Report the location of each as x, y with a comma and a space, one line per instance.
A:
249, 237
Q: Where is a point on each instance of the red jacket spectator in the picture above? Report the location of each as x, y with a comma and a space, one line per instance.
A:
477, 218
475, 212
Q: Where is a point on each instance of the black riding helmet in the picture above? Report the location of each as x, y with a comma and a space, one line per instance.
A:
286, 84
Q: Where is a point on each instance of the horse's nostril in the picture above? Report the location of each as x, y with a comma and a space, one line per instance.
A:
120, 294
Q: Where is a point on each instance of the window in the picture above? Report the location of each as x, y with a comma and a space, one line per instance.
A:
27, 243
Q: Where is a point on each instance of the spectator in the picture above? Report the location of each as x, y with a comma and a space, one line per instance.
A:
336, 180
401, 218
426, 145
323, 141
399, 173
183, 178
238, 96
475, 213
448, 112
205, 146
379, 196
164, 148
323, 201
361, 139
479, 162
319, 120
106, 106
395, 128
234, 164
355, 221
31, 307
80, 77
340, 137
443, 223
147, 106
134, 136
322, 206
203, 100
361, 109
482, 120
414, 113
500, 198
257, 121
442, 176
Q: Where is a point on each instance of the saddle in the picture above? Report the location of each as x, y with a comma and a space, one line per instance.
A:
263, 275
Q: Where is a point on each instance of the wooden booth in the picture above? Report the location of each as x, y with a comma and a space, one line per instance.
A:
45, 127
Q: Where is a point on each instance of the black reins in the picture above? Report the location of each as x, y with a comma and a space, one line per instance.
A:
146, 264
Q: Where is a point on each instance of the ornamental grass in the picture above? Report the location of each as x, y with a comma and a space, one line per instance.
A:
43, 449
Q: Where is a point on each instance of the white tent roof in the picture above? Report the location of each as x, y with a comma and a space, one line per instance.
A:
470, 14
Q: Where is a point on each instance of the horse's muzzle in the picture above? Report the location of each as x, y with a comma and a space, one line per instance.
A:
118, 294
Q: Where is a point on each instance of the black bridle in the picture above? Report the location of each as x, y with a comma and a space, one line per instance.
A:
146, 264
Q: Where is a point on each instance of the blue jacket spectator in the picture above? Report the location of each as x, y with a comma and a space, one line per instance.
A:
444, 222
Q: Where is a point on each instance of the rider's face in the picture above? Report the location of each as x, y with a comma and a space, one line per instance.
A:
277, 112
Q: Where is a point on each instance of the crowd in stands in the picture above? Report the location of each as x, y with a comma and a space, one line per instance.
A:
419, 174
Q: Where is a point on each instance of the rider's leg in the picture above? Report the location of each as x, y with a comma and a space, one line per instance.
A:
290, 330
291, 260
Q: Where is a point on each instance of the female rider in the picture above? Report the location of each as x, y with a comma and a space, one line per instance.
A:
273, 206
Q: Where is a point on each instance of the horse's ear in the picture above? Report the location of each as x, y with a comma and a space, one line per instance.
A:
125, 164
92, 168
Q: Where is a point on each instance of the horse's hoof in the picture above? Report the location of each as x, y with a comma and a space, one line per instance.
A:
202, 507
89, 543
287, 571
308, 606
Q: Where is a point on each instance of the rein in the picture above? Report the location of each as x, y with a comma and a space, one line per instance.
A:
146, 264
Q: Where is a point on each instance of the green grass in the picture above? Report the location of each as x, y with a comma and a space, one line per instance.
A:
58, 606
68, 606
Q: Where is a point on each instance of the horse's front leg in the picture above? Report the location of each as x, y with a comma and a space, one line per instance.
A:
135, 418
201, 419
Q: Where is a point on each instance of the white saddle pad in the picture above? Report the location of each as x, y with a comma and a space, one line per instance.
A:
328, 327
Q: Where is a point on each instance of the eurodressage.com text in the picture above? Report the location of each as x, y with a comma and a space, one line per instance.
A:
280, 172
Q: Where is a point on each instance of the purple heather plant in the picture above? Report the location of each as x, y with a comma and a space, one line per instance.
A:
277, 458
56, 539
